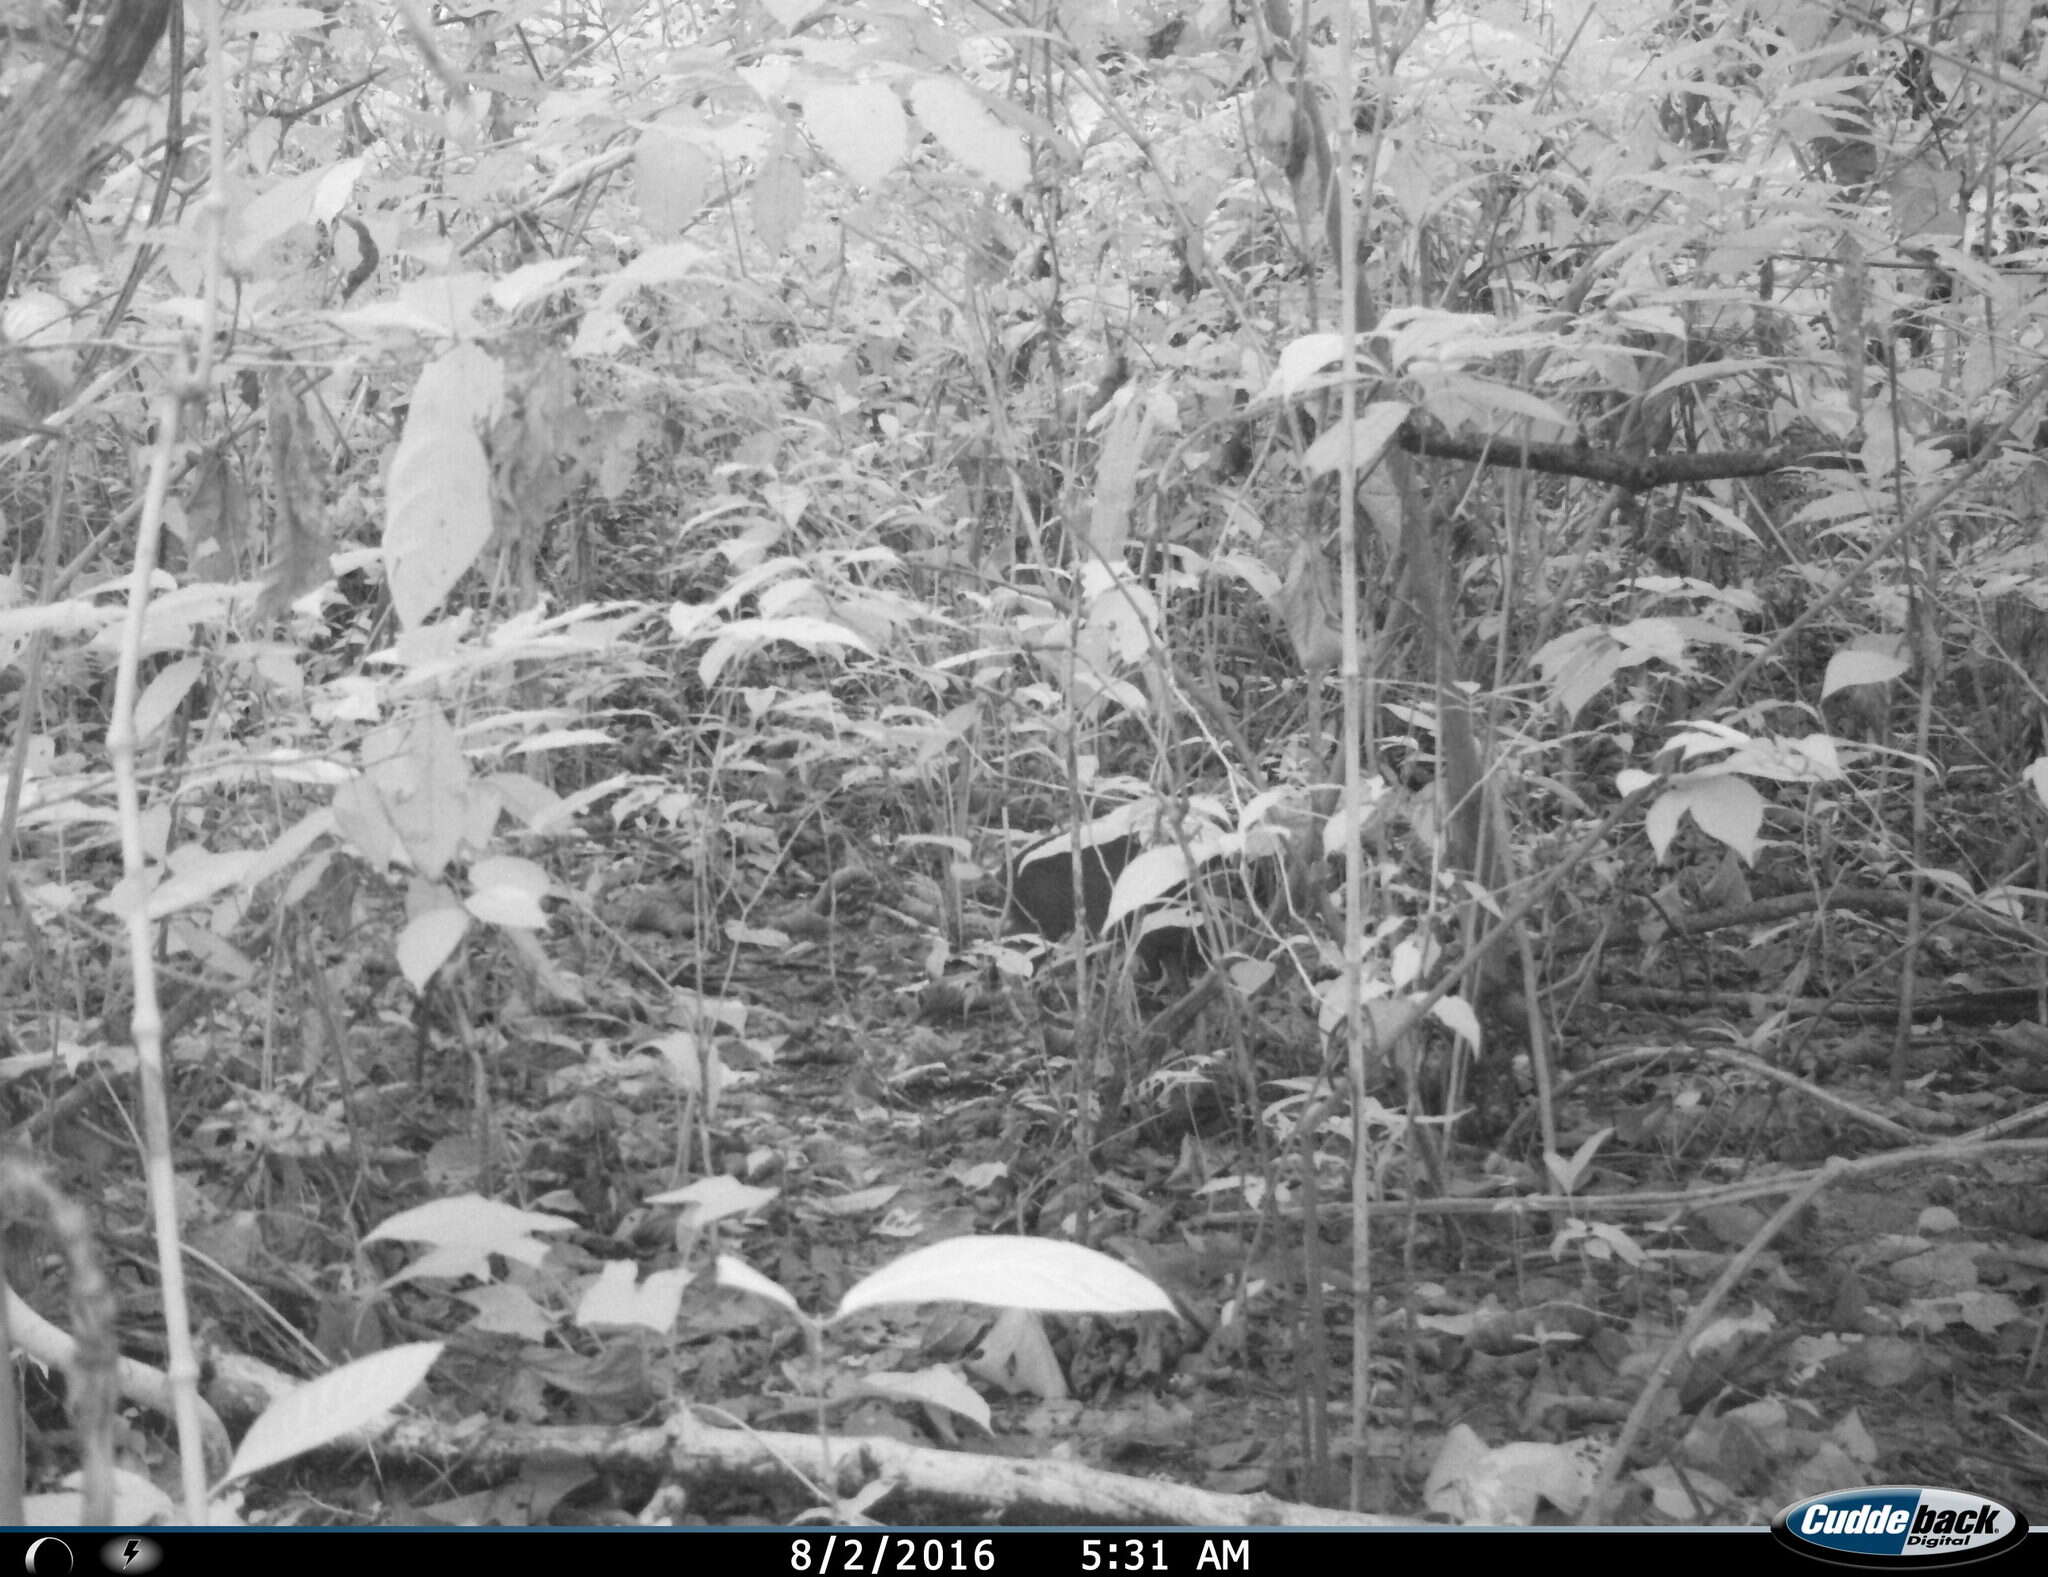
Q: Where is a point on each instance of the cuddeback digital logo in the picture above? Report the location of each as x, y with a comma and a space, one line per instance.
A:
1897, 1525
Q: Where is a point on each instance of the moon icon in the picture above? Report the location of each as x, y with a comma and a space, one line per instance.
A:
47, 1558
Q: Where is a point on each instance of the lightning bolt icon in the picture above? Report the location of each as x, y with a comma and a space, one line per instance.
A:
134, 1549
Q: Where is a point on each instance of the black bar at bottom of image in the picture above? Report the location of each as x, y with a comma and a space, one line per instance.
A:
882, 1552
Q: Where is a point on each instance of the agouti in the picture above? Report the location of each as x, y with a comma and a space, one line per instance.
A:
1042, 901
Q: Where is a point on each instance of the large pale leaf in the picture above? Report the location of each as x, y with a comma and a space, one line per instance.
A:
717, 1198
671, 178
1010, 1272
333, 1407
860, 126
1302, 363
967, 131
743, 637
508, 892
1722, 805
619, 1298
738, 1276
198, 874
936, 1387
2036, 775
1457, 1015
1865, 661
160, 700
1148, 878
778, 200
438, 499
470, 1228
427, 942
314, 197
1367, 438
